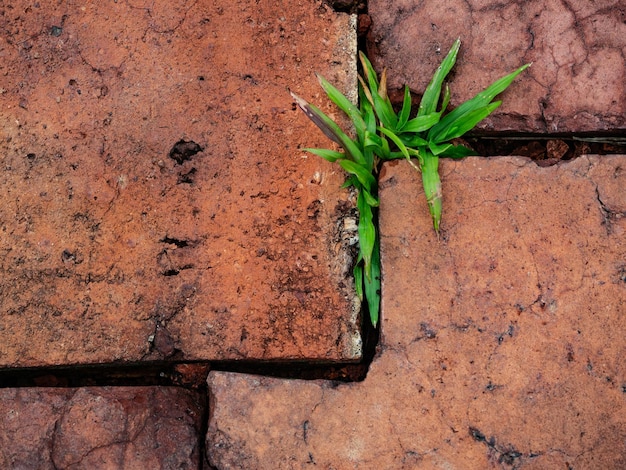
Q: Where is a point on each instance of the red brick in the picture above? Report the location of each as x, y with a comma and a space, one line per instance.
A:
502, 341
576, 82
156, 203
100, 427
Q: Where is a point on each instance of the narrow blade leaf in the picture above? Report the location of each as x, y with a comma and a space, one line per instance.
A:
370, 74
403, 117
372, 286
413, 140
371, 200
457, 151
350, 181
357, 272
481, 100
344, 104
384, 111
364, 175
367, 234
432, 187
326, 154
329, 128
422, 123
396, 140
430, 98
462, 124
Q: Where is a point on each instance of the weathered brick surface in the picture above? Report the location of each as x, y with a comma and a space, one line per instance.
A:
502, 342
155, 203
578, 51
89, 428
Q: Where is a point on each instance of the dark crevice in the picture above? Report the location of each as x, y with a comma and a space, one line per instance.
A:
507, 454
180, 243
170, 272
184, 150
347, 6
544, 149
159, 374
190, 374
203, 432
169, 373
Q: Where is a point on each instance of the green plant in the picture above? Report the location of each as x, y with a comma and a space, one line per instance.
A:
381, 133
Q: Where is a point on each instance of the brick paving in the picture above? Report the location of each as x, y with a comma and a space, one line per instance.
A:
150, 212
100, 427
577, 48
158, 208
502, 342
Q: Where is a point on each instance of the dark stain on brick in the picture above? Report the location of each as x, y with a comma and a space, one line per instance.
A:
183, 150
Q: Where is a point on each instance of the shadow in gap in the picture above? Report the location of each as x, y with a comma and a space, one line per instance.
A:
190, 375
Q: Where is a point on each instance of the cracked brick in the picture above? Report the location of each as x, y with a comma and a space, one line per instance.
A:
577, 49
501, 343
100, 427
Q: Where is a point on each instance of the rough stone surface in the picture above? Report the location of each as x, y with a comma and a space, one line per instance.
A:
87, 428
502, 341
577, 47
156, 204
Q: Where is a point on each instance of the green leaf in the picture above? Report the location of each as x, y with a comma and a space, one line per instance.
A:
430, 99
372, 140
326, 154
368, 113
364, 92
481, 100
413, 140
376, 94
396, 140
357, 272
384, 111
370, 74
344, 104
350, 181
395, 156
403, 117
462, 124
422, 123
432, 186
371, 200
452, 151
367, 234
385, 151
445, 101
364, 175
372, 286
329, 128
438, 149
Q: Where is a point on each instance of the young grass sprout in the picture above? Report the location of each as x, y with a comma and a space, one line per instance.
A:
381, 133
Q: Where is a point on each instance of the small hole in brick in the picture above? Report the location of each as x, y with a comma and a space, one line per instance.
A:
183, 150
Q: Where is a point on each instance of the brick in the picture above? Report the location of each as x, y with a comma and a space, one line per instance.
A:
99, 427
577, 49
502, 341
156, 203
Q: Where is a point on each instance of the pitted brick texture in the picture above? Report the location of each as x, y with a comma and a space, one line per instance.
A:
502, 341
577, 47
156, 203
